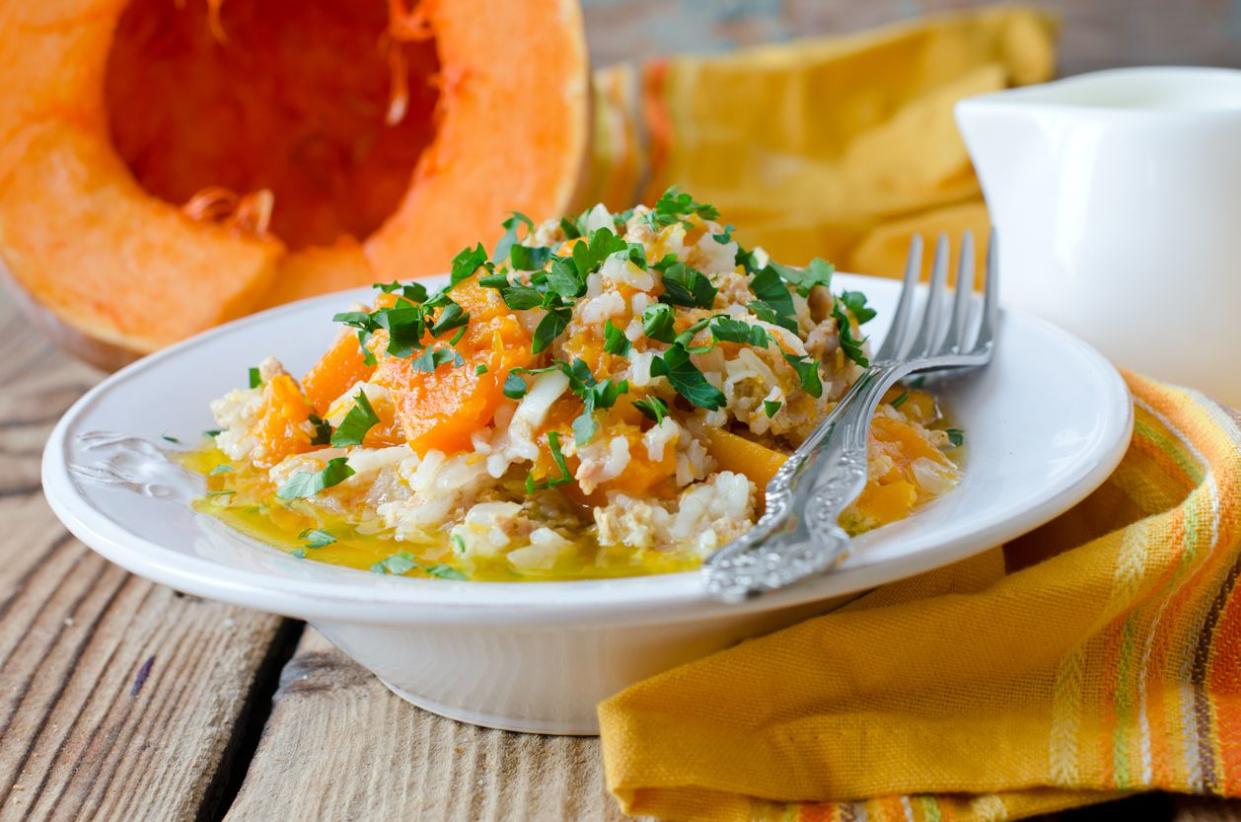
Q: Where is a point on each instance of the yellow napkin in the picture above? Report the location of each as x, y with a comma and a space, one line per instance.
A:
1106, 660
837, 148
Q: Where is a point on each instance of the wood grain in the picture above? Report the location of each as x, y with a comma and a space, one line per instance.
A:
373, 756
80, 735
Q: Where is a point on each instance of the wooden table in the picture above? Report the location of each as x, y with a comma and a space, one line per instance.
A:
120, 698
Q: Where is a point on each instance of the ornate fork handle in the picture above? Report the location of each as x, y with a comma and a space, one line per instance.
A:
798, 535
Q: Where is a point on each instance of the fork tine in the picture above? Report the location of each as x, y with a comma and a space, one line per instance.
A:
933, 310
991, 296
902, 318
954, 339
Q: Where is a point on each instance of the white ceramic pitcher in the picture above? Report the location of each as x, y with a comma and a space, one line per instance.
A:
1117, 198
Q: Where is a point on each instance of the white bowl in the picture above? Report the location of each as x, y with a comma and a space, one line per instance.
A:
1045, 424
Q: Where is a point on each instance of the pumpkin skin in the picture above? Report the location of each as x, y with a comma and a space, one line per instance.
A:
122, 117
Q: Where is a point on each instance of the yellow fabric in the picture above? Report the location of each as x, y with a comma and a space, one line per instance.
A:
1105, 659
836, 148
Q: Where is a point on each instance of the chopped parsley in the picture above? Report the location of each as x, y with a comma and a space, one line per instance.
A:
807, 369
444, 571
255, 379
433, 358
509, 239
727, 329
685, 377
848, 343
956, 436
900, 399
554, 322
532, 485
399, 564
480, 369
322, 430
818, 272
212, 433
316, 538
360, 419
514, 386
653, 407
306, 484
770, 407
657, 322
855, 301
686, 286
529, 258
614, 340
674, 206
724, 237
170, 438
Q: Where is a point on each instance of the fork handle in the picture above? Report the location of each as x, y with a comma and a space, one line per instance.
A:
797, 536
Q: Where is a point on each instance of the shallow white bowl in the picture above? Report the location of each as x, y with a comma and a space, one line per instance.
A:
1045, 424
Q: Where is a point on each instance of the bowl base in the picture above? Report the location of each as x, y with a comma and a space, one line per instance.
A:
496, 721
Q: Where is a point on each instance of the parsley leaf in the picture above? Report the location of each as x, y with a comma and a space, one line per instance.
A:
550, 327
398, 564
569, 228
316, 538
360, 419
819, 272
844, 329
855, 301
529, 258
807, 369
590, 255
444, 571
532, 485
687, 286
726, 329
452, 316
433, 358
674, 206
900, 400
255, 379
770, 407
564, 278
322, 430
653, 407
305, 484
657, 322
614, 340
514, 386
480, 369
510, 235
769, 315
768, 286
726, 236
956, 436
170, 438
685, 377
467, 261
415, 292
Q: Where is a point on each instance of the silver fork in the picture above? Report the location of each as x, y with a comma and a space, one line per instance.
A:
798, 535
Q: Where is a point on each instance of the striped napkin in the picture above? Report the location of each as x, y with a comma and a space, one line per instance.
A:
1097, 656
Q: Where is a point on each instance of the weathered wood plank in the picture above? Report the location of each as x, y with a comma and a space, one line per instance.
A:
369, 755
118, 697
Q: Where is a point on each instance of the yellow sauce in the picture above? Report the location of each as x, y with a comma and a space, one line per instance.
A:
243, 497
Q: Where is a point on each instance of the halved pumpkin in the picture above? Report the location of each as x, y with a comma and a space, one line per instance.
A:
165, 165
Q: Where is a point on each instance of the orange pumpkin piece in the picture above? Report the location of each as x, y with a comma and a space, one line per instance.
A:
743, 456
440, 409
336, 372
279, 430
368, 127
